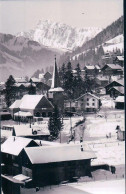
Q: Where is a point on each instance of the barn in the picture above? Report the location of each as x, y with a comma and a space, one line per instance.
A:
47, 165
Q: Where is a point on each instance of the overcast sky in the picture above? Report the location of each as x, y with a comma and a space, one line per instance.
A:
23, 15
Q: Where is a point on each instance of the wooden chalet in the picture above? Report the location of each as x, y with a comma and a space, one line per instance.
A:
116, 91
47, 165
119, 60
119, 102
112, 69
33, 105
114, 84
11, 153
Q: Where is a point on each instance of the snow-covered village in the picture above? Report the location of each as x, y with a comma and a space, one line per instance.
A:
62, 112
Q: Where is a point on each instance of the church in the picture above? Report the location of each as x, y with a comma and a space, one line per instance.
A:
55, 93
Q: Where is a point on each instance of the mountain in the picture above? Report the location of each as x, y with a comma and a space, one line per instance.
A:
21, 56
110, 39
59, 35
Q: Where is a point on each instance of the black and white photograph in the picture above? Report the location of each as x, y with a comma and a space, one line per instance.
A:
62, 107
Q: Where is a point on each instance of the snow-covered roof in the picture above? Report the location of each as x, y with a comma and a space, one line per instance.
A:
21, 177
22, 130
23, 114
34, 79
16, 104
88, 93
114, 66
30, 101
120, 58
102, 78
59, 153
118, 81
24, 84
92, 66
20, 79
14, 145
59, 89
119, 88
120, 99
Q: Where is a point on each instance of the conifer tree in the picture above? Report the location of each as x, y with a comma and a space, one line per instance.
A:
55, 123
9, 91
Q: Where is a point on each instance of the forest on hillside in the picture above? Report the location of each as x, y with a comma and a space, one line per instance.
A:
88, 54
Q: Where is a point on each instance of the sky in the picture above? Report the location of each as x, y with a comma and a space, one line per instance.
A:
23, 15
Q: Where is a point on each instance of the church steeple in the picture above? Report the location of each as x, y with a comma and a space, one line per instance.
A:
56, 85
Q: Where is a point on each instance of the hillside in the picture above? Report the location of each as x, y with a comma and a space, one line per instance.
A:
110, 39
21, 56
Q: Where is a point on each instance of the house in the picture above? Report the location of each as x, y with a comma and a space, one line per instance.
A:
91, 70
119, 60
47, 76
33, 131
11, 153
112, 69
116, 91
114, 84
102, 80
88, 103
119, 102
47, 165
35, 105
20, 79
14, 107
41, 86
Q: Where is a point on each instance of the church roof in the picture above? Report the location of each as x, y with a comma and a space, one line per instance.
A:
56, 85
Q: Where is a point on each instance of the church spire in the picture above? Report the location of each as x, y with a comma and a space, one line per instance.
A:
56, 85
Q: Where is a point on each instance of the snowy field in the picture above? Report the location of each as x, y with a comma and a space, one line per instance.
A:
96, 187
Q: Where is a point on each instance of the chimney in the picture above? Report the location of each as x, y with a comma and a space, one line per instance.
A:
14, 138
32, 131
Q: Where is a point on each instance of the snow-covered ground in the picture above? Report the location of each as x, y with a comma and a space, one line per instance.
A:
102, 187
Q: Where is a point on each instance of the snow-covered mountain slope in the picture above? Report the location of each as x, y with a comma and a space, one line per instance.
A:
61, 36
113, 44
108, 46
21, 56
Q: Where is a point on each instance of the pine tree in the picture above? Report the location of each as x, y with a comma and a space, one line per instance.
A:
9, 91
55, 123
68, 81
78, 82
32, 88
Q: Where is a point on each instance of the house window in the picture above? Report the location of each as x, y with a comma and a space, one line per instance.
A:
93, 99
82, 104
93, 104
87, 99
82, 99
87, 104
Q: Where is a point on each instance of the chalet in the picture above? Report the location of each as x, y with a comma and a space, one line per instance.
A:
116, 91
21, 89
47, 76
112, 69
102, 80
114, 84
35, 105
20, 79
88, 103
33, 131
91, 70
119, 60
48, 165
11, 152
41, 86
119, 102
